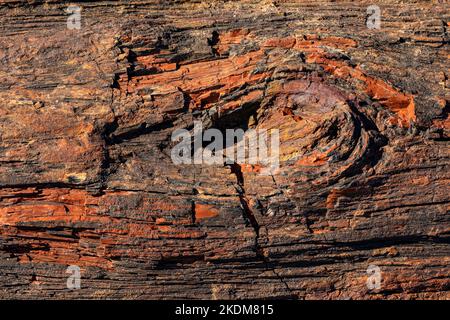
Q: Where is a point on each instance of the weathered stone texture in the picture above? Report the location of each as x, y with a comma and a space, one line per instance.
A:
86, 178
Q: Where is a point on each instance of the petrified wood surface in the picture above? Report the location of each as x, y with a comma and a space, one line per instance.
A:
86, 177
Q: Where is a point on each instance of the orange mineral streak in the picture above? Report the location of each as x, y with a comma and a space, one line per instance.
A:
444, 122
23, 211
154, 62
399, 103
64, 205
250, 97
247, 168
335, 194
311, 43
229, 38
72, 226
204, 211
207, 81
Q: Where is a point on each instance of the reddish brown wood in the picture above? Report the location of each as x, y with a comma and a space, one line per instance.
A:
86, 176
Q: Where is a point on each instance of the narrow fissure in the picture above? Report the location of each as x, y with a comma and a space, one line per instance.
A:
251, 219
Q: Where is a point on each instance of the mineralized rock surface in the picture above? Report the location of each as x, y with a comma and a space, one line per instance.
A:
87, 179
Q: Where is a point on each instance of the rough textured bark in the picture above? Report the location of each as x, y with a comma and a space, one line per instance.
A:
86, 178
